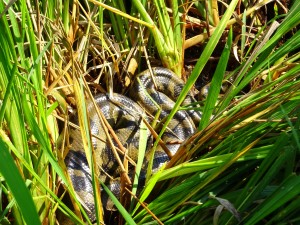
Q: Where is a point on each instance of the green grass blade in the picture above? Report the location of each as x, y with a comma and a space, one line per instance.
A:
120, 208
291, 20
265, 58
200, 65
17, 186
268, 169
210, 163
243, 36
149, 187
36, 176
287, 212
7, 94
141, 155
44, 142
288, 190
216, 84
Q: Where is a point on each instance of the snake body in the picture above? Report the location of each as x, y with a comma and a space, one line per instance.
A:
124, 115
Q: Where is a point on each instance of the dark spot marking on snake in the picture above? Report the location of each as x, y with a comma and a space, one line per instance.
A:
82, 183
76, 160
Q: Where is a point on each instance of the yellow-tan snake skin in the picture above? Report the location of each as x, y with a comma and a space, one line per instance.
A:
124, 116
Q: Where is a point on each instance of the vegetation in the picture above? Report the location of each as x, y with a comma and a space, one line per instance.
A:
241, 167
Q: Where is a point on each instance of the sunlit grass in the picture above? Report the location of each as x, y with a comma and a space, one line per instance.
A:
240, 166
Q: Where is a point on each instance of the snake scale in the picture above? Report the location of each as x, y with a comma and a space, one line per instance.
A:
124, 114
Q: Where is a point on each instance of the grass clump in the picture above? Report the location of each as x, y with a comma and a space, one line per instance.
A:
241, 166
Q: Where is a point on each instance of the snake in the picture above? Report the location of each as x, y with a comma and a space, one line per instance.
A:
150, 93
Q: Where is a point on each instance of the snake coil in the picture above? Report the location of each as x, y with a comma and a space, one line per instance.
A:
124, 115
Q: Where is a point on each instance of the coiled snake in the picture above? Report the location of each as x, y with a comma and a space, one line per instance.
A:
124, 116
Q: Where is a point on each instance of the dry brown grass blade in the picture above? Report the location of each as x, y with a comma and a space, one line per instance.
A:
145, 207
160, 142
201, 38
